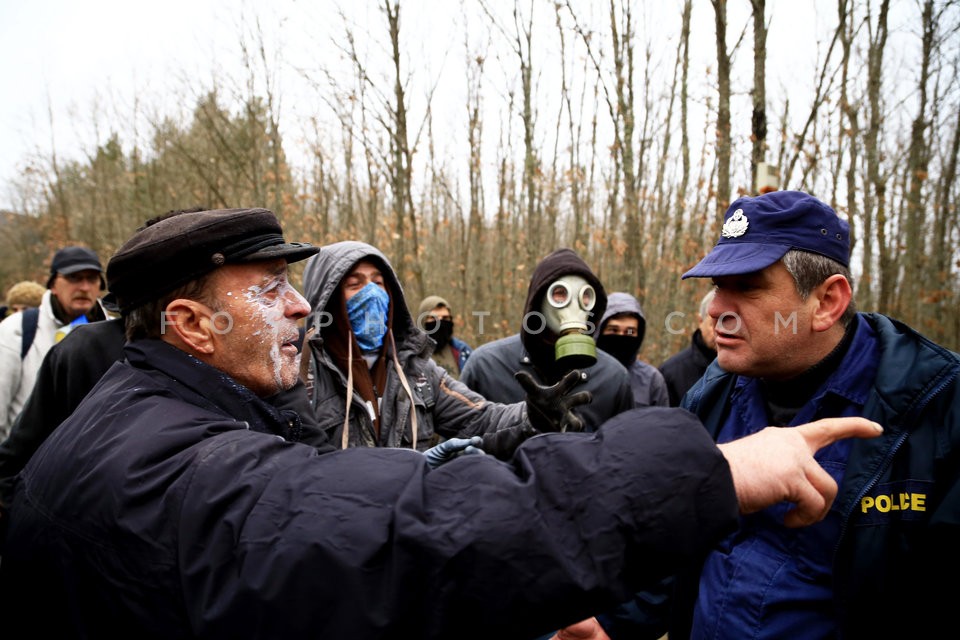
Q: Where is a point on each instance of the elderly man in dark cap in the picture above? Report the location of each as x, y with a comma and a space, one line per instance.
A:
71, 299
175, 503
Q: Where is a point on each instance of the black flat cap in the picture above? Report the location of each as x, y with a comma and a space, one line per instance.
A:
175, 250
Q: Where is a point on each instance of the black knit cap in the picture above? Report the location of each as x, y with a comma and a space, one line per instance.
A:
175, 250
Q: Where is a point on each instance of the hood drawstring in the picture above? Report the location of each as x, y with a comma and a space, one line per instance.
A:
406, 387
345, 438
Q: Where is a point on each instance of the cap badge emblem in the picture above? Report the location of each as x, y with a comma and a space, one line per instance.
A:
736, 225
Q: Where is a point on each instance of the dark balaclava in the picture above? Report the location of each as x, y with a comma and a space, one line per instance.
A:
623, 348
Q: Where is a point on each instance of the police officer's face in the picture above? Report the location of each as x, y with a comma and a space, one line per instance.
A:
256, 325
763, 328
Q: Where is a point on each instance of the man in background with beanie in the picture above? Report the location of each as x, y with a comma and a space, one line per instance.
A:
435, 318
175, 503
72, 298
791, 348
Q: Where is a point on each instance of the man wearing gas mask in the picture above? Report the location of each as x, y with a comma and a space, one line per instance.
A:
564, 301
372, 382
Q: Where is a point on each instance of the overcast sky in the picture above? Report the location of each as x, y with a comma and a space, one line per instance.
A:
79, 56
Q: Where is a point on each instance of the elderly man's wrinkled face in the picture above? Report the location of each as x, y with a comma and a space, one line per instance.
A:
256, 325
77, 292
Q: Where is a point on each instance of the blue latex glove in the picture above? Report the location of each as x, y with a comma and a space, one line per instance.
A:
450, 449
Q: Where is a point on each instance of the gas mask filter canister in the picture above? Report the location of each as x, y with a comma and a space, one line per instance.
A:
567, 307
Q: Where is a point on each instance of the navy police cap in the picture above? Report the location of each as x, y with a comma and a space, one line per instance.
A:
759, 231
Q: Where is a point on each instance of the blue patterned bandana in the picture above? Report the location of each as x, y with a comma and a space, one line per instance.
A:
367, 311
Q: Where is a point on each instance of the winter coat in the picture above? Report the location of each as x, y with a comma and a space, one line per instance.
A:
683, 369
895, 565
442, 407
17, 376
172, 504
70, 369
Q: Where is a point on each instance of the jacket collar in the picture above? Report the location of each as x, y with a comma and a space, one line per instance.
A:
209, 387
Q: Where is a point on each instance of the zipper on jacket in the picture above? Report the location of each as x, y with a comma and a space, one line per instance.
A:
888, 458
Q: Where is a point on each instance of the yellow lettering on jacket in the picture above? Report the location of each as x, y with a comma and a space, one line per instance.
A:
885, 503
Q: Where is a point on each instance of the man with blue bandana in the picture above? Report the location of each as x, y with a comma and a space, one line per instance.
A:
370, 374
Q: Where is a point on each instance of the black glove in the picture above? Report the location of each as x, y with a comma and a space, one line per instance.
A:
501, 444
550, 408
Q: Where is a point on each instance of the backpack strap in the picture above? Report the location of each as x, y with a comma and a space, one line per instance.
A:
31, 317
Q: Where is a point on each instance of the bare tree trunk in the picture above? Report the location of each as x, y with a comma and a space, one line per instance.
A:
874, 202
576, 173
851, 130
723, 108
683, 61
918, 165
408, 257
758, 122
622, 43
531, 163
944, 235
474, 246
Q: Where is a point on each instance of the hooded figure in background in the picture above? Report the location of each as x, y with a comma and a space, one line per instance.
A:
435, 318
370, 377
621, 332
564, 300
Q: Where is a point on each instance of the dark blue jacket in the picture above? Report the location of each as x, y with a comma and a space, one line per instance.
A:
897, 563
461, 350
171, 504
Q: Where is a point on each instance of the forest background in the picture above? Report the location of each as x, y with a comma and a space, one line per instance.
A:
612, 127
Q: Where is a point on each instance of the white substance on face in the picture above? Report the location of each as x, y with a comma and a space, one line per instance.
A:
268, 306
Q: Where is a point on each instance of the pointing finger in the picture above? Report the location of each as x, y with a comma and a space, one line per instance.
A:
827, 431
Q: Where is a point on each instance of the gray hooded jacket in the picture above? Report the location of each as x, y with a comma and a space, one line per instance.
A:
442, 406
647, 383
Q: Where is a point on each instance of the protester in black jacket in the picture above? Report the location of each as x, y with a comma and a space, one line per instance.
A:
172, 502
68, 372
683, 369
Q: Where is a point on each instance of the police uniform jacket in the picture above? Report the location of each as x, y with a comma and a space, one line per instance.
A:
897, 559
172, 504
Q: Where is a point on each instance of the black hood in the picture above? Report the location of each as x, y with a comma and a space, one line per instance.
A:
561, 262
